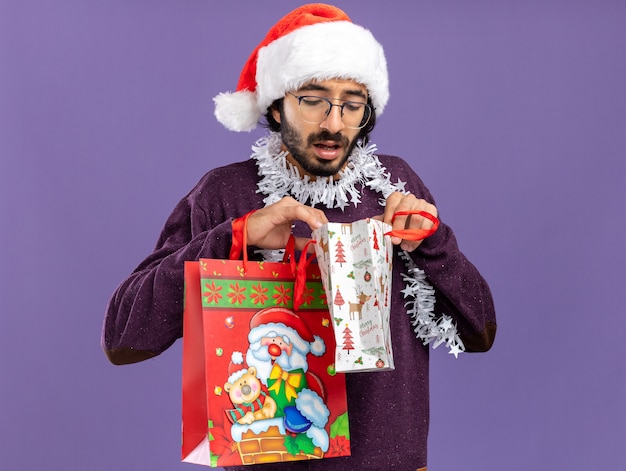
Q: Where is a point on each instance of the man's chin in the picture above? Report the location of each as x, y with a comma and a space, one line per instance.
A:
325, 172
327, 168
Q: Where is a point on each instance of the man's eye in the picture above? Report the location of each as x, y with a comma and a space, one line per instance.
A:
312, 101
353, 106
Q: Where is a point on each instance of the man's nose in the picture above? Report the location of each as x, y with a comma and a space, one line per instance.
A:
333, 121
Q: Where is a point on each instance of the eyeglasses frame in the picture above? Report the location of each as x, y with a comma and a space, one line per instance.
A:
330, 108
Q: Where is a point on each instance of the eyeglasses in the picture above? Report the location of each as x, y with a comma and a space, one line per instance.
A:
315, 109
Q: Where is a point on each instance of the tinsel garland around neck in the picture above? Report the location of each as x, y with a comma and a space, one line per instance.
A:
279, 178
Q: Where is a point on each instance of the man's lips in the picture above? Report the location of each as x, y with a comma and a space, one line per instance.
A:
327, 150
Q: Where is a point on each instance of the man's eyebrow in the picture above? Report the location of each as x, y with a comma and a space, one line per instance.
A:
314, 87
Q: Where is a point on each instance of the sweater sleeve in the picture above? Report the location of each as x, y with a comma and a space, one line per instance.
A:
461, 292
144, 315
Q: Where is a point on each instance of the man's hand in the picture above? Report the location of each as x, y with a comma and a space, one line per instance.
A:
397, 202
270, 227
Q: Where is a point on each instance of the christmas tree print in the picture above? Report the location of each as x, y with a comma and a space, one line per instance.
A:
340, 256
339, 301
347, 339
375, 242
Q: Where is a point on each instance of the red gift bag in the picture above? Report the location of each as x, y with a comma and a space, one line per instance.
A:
259, 381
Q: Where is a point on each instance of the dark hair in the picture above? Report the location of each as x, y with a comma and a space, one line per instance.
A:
270, 122
274, 125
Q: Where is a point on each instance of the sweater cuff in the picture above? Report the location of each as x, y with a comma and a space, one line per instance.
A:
435, 244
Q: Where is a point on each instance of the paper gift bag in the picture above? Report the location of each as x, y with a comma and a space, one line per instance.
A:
355, 260
259, 381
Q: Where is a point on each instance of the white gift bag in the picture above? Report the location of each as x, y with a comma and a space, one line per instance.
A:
355, 260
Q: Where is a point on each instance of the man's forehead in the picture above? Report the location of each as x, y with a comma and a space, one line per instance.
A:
338, 85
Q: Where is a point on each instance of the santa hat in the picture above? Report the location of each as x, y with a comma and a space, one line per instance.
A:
236, 367
281, 322
313, 42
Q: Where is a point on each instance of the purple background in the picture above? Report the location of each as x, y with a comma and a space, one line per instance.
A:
513, 112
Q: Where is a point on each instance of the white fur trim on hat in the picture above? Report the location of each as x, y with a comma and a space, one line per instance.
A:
322, 51
236, 376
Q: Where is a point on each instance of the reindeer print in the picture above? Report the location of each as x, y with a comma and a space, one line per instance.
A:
358, 307
323, 243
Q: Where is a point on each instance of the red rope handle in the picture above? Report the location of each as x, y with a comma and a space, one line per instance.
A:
300, 283
414, 234
290, 253
239, 243
240, 238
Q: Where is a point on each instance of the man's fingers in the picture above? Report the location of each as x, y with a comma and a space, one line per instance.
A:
288, 209
313, 217
398, 203
269, 227
393, 200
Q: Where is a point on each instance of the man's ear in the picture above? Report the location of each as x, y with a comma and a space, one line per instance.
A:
276, 114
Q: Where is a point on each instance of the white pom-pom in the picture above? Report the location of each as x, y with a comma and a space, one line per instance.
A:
237, 358
317, 346
237, 111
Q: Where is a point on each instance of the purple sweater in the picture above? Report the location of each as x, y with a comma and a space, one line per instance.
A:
389, 411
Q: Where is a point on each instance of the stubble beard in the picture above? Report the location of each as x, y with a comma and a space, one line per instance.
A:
311, 164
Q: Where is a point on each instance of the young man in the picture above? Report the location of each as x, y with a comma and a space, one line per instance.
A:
320, 81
